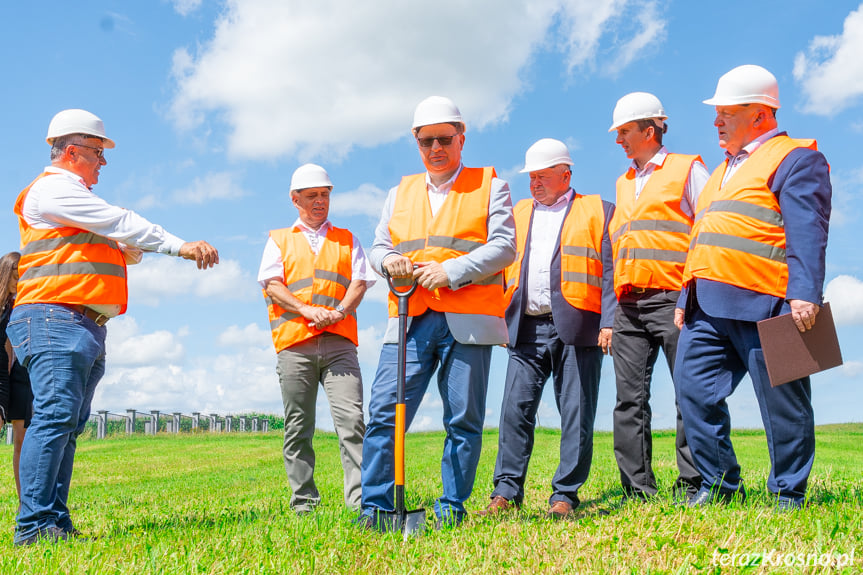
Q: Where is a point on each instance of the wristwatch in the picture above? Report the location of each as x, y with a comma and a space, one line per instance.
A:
341, 309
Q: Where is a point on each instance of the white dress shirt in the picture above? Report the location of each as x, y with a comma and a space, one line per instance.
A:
734, 162
698, 177
62, 199
544, 241
272, 265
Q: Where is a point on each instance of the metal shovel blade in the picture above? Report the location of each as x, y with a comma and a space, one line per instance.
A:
414, 522
408, 522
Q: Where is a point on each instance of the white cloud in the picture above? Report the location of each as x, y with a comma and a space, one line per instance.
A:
158, 276
829, 71
847, 193
251, 335
852, 369
213, 186
314, 79
232, 383
367, 200
377, 293
369, 349
126, 346
185, 7
845, 294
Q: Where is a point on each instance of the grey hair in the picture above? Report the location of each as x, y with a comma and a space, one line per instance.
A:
61, 142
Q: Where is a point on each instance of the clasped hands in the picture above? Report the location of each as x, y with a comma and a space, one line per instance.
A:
429, 275
320, 317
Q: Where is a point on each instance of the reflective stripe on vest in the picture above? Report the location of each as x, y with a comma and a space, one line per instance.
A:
317, 280
68, 265
580, 249
739, 234
459, 227
650, 235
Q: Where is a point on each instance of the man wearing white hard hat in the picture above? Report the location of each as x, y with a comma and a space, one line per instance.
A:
314, 276
560, 308
655, 209
75, 248
451, 229
757, 251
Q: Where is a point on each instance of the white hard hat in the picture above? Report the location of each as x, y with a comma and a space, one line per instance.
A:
546, 153
436, 110
748, 84
310, 176
77, 122
637, 106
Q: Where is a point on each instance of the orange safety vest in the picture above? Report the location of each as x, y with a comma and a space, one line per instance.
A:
317, 280
459, 227
650, 236
739, 236
580, 251
68, 265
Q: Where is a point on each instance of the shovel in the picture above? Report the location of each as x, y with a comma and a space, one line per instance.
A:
408, 522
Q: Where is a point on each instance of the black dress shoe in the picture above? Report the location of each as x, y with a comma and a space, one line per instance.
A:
49, 534
449, 521
706, 497
784, 505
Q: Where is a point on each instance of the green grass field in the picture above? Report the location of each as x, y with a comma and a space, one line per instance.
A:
218, 503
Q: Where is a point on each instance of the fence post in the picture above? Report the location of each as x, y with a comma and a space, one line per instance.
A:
228, 421
213, 418
177, 416
265, 425
243, 419
254, 424
8, 434
130, 421
154, 417
196, 417
101, 424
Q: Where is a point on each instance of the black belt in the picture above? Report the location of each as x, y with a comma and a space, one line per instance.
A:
540, 317
99, 319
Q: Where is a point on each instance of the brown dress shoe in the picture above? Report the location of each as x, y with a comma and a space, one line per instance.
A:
560, 510
497, 505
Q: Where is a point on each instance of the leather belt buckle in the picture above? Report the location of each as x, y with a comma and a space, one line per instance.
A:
637, 290
99, 319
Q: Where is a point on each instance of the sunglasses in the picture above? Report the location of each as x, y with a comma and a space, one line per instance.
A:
429, 142
100, 152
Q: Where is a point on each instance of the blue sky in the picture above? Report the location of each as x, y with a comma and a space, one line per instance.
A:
214, 104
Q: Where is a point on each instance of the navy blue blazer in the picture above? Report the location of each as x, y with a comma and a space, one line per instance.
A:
802, 185
574, 326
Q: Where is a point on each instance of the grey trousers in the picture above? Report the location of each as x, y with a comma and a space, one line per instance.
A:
331, 361
642, 324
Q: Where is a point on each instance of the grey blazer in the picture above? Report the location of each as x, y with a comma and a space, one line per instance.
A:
496, 254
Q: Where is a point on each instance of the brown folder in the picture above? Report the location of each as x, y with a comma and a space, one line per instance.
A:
790, 355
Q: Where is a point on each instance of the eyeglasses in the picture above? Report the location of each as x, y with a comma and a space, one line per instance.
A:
100, 152
429, 142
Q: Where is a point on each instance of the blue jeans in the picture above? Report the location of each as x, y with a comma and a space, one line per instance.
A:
713, 355
64, 352
462, 381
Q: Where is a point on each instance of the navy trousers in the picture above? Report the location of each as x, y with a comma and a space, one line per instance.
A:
713, 355
540, 354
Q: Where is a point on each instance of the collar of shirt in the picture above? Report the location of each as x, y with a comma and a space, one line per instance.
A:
321, 231
556, 206
657, 160
67, 173
444, 187
734, 162
750, 148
